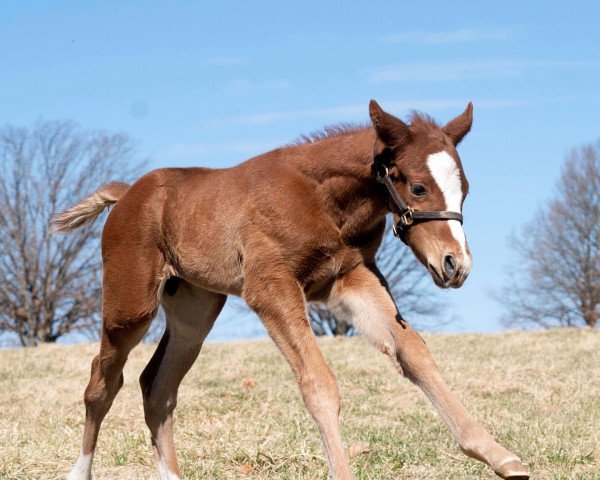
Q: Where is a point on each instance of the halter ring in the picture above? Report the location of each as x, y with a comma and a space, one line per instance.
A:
407, 218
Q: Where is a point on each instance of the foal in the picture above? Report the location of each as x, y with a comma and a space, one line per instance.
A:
301, 223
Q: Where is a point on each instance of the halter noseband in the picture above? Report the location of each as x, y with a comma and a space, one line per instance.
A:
408, 215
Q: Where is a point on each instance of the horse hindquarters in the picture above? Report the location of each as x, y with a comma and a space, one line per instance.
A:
132, 277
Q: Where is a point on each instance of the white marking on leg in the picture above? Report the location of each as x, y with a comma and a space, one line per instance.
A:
83, 467
164, 473
446, 174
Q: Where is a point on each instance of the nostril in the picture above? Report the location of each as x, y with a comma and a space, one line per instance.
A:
449, 266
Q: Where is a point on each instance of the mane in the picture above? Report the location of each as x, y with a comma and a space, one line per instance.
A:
422, 121
330, 131
418, 121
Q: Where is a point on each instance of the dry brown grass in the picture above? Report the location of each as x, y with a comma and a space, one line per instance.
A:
538, 393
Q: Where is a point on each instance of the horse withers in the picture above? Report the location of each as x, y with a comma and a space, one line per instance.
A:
300, 223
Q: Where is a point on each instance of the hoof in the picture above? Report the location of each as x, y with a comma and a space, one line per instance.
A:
512, 470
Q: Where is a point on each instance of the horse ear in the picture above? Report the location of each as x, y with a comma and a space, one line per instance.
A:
391, 130
456, 129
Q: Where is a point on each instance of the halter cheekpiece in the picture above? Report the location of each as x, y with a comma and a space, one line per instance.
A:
408, 215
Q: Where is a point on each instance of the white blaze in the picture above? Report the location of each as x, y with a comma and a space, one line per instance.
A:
446, 174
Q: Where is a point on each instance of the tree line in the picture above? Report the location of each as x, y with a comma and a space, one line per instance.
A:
50, 285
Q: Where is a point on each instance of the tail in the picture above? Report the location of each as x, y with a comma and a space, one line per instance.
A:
87, 210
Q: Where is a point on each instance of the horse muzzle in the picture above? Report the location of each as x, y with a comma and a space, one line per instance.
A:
451, 272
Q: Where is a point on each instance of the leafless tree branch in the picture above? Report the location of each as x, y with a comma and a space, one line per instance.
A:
558, 282
51, 284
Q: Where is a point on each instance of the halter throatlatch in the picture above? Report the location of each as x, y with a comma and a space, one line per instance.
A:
408, 215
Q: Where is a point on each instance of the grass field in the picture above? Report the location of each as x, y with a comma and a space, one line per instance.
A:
538, 393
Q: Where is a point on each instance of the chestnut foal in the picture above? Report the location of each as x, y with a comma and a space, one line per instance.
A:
301, 223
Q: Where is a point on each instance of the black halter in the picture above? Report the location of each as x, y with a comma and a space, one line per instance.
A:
408, 215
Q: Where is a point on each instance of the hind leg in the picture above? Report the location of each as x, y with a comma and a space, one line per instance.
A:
129, 303
191, 313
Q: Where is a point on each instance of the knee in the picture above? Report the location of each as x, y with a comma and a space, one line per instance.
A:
93, 391
100, 389
98, 392
413, 356
320, 392
418, 369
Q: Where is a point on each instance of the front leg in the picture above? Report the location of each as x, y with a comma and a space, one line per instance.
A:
362, 299
279, 301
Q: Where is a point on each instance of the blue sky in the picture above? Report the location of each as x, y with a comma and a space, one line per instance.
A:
214, 83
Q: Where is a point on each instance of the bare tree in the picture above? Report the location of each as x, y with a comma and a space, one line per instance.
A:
50, 284
558, 282
409, 283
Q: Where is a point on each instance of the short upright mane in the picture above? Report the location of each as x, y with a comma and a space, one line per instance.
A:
329, 131
422, 121
418, 121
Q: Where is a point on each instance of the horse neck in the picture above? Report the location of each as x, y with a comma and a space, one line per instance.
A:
342, 167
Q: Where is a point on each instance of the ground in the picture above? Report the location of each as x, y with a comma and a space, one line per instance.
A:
240, 416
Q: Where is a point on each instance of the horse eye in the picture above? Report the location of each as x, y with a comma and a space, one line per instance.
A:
418, 190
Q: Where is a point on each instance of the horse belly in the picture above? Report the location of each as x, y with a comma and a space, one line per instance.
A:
211, 261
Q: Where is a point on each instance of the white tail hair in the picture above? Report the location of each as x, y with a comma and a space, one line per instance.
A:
88, 210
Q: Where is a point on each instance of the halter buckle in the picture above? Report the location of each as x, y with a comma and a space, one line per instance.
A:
407, 218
